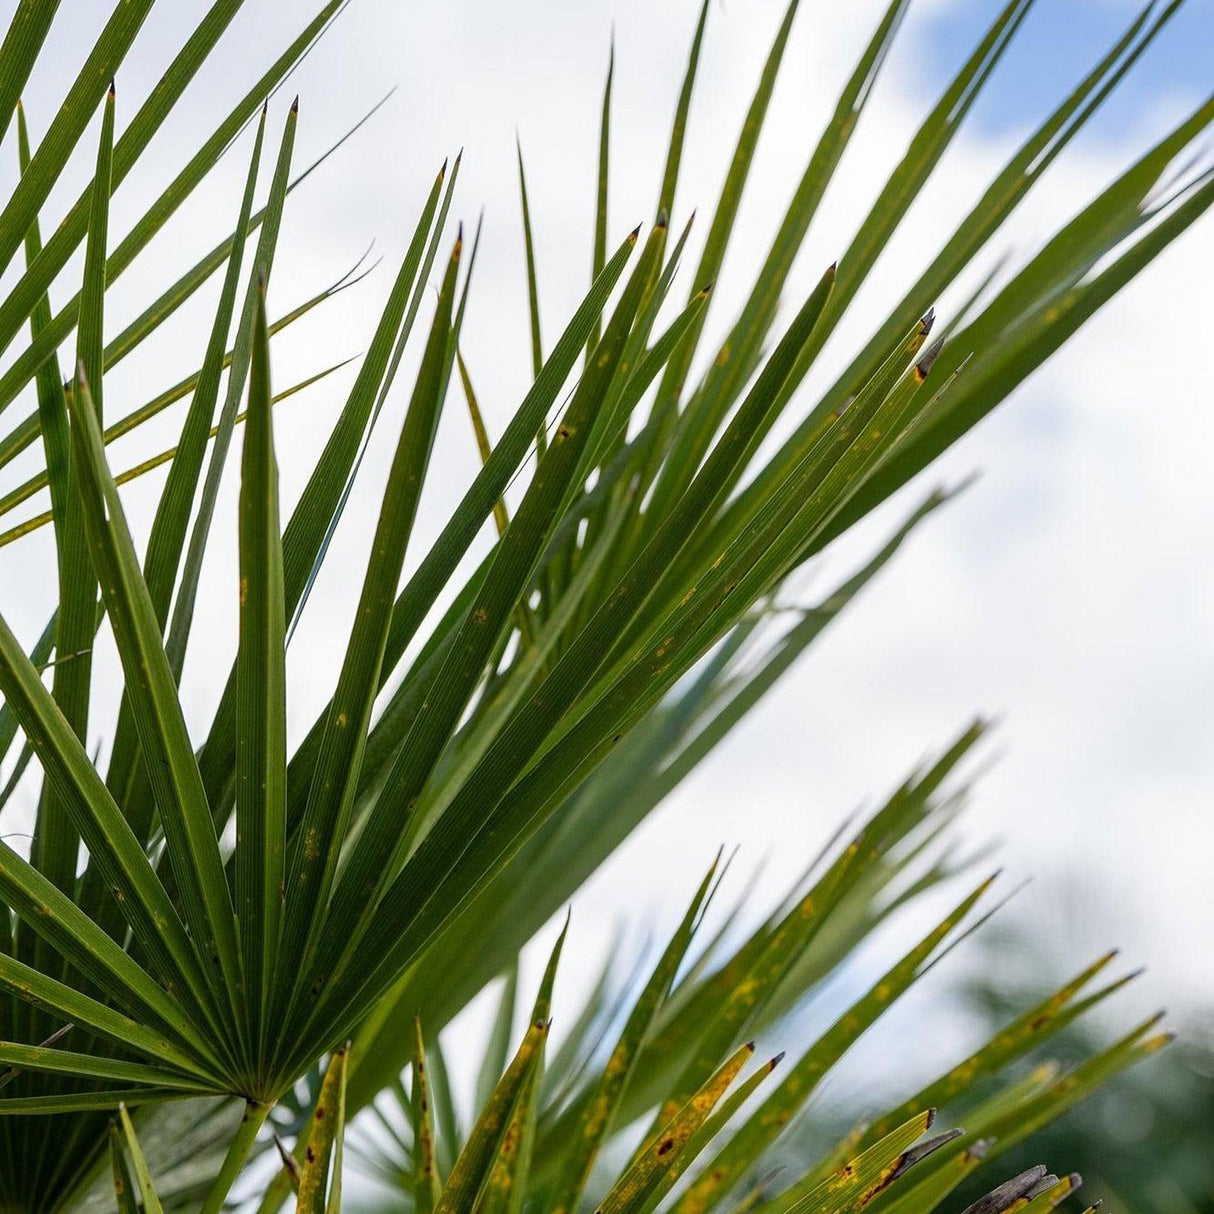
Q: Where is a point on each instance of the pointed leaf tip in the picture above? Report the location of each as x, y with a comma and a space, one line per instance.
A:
1047, 1182
295, 105
775, 1062
113, 90
663, 219
289, 1162
925, 364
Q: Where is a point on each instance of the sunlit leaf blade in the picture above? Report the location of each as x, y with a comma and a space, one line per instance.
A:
865, 1178
802, 1077
497, 1048
662, 1149
26, 365
178, 631
100, 823
678, 131
304, 533
124, 1183
321, 1161
133, 473
85, 92
147, 1188
171, 521
172, 770
23, 41
136, 138
56, 844
600, 1105
261, 748
402, 340
27, 431
472, 1169
723, 220
501, 516
598, 256
533, 294
426, 1183
370, 868
506, 1189
315, 851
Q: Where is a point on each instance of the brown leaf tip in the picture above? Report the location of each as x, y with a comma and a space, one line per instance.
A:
295, 105
1044, 1185
1008, 1193
925, 364
663, 219
928, 1147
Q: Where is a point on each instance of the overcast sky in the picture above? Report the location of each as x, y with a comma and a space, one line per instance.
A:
1069, 591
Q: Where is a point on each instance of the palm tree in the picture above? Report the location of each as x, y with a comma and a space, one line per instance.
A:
196, 927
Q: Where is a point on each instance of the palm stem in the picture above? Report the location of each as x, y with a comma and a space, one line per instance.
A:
254, 1118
